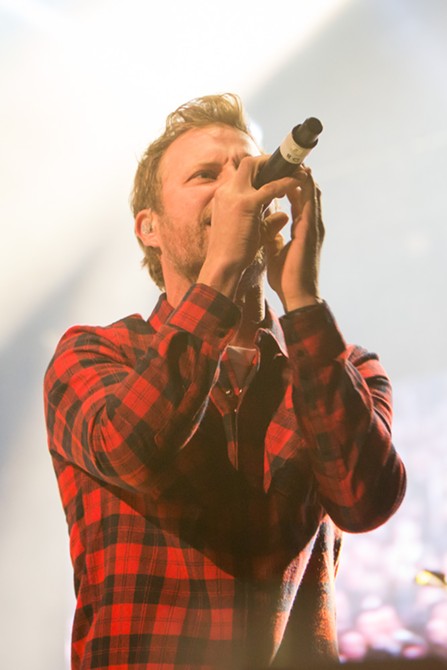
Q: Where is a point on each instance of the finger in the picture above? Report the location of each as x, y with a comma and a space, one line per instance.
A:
273, 247
272, 224
305, 197
276, 189
302, 172
319, 215
249, 166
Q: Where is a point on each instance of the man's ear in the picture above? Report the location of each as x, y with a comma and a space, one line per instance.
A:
146, 228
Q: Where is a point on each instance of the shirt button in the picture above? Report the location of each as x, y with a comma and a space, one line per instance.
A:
229, 392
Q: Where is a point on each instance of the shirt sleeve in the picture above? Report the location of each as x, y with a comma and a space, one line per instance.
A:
343, 402
122, 421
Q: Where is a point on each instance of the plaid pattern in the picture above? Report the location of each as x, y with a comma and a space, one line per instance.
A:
204, 521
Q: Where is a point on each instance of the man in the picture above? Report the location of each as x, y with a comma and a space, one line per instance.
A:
209, 457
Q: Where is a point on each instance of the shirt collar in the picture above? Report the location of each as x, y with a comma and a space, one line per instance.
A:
160, 313
269, 327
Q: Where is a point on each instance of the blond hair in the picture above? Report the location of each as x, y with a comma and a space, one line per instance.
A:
225, 109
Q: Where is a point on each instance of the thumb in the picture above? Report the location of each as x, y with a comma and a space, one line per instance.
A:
272, 224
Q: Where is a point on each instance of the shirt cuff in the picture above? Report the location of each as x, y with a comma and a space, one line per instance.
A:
207, 314
312, 333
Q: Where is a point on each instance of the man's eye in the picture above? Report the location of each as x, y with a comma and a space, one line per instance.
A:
205, 174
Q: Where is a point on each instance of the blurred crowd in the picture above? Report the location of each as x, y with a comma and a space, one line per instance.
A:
383, 610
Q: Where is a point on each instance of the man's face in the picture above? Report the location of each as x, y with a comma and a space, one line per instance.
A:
191, 170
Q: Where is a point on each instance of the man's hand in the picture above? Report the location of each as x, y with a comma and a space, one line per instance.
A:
293, 268
236, 232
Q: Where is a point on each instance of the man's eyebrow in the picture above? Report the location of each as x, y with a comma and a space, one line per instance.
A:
202, 165
217, 164
207, 164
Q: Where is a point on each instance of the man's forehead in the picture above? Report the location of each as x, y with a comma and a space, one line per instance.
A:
200, 143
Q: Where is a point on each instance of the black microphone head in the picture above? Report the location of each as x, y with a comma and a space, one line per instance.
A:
306, 134
314, 125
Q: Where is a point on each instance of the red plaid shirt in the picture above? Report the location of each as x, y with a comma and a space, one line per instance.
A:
204, 521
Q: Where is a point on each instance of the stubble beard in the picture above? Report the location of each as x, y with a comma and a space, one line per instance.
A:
185, 251
188, 254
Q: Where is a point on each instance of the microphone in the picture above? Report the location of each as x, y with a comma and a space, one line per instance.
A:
291, 153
